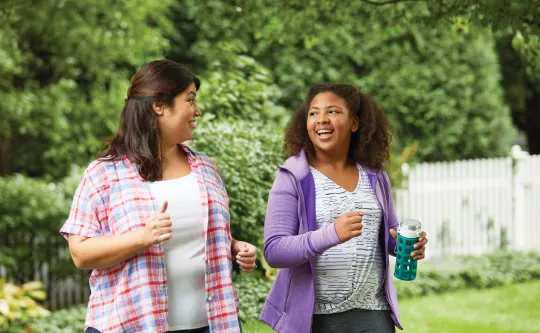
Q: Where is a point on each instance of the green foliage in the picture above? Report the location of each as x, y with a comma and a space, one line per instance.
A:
19, 304
32, 213
439, 85
483, 272
488, 271
70, 320
61, 92
497, 14
252, 292
247, 155
244, 92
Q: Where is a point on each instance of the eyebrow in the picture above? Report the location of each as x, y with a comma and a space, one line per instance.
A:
192, 93
328, 107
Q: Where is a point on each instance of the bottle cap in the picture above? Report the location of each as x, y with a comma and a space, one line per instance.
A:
410, 228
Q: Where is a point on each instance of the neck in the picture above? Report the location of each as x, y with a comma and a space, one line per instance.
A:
169, 151
336, 160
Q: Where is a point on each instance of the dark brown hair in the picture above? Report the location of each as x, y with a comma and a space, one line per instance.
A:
138, 136
370, 145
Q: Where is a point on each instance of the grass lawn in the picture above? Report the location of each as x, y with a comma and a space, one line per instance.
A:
509, 309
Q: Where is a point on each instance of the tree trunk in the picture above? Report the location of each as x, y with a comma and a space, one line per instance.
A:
5, 155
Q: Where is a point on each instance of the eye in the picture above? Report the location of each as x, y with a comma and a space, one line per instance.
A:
192, 100
334, 111
312, 113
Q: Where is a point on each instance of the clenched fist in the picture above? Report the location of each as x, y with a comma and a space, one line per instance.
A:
349, 225
158, 229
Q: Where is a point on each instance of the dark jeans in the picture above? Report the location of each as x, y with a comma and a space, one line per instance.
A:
354, 321
91, 330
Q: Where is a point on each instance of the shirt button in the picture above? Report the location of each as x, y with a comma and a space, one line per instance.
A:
209, 298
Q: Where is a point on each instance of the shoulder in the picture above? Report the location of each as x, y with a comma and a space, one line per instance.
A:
96, 172
102, 172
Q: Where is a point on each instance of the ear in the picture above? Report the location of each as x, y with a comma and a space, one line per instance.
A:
355, 123
158, 108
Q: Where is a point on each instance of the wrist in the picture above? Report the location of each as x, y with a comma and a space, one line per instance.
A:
234, 251
140, 239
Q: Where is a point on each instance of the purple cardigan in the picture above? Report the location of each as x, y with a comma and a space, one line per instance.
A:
292, 242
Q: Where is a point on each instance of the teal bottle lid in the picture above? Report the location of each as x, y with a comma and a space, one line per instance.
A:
410, 228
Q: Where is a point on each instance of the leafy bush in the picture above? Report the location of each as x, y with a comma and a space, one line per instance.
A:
32, 213
252, 291
488, 271
246, 155
64, 321
18, 305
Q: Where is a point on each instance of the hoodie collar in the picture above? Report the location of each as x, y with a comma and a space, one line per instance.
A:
298, 165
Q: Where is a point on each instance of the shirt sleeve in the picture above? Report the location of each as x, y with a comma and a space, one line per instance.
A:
87, 210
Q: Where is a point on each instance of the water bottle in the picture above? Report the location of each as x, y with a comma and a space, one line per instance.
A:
408, 232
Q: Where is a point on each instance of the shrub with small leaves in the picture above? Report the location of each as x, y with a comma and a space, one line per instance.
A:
247, 155
19, 304
64, 321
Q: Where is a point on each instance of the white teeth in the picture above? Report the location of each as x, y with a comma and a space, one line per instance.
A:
324, 131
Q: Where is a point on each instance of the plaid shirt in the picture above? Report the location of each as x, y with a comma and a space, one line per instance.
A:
132, 296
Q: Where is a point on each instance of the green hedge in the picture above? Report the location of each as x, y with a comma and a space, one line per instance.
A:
64, 321
433, 278
472, 272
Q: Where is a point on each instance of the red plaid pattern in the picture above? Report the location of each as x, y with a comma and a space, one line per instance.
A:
132, 296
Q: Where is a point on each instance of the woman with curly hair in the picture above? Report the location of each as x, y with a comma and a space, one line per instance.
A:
330, 222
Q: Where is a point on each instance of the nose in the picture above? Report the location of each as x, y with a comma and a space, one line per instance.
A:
197, 111
322, 118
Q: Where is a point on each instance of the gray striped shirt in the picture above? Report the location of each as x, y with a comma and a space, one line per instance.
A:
350, 275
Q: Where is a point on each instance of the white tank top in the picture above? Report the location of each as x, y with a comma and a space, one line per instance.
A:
184, 252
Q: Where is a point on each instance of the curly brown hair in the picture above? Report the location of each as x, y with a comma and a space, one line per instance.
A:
370, 145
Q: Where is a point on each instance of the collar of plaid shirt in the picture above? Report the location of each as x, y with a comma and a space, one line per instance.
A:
132, 296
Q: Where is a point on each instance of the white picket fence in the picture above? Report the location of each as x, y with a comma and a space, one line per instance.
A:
475, 206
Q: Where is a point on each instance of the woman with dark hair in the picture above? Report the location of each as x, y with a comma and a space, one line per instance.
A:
330, 222
151, 219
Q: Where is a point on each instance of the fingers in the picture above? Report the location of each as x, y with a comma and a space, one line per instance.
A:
161, 224
420, 247
353, 214
420, 243
354, 219
164, 237
245, 260
164, 206
419, 254
357, 226
246, 266
393, 233
162, 216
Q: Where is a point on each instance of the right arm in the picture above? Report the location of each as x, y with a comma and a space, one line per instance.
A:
88, 247
283, 246
104, 251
